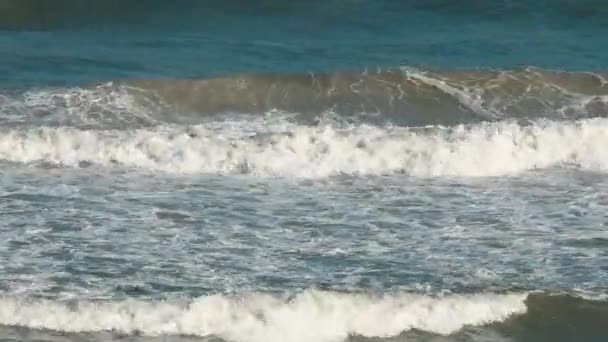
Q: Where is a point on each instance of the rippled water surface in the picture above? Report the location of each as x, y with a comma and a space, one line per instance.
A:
329, 171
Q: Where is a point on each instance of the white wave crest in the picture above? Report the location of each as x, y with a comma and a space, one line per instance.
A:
106, 105
487, 149
310, 316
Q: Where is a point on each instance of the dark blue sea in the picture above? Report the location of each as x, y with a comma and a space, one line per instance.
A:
303, 171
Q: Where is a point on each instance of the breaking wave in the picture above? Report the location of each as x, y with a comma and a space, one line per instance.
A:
421, 123
485, 149
310, 316
403, 97
322, 316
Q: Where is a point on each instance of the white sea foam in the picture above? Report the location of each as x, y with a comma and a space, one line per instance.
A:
310, 316
487, 149
105, 105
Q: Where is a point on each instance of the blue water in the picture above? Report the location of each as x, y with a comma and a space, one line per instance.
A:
303, 171
186, 39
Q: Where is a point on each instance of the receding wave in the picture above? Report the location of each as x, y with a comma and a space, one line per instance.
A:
310, 316
485, 149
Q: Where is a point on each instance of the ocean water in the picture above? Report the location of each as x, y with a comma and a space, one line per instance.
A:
313, 171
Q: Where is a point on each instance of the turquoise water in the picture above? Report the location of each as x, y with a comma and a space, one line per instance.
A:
73, 42
285, 171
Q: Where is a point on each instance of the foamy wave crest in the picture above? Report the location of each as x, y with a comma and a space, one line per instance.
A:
486, 149
102, 106
310, 316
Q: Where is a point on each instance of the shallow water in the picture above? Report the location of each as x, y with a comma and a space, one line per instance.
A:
335, 171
